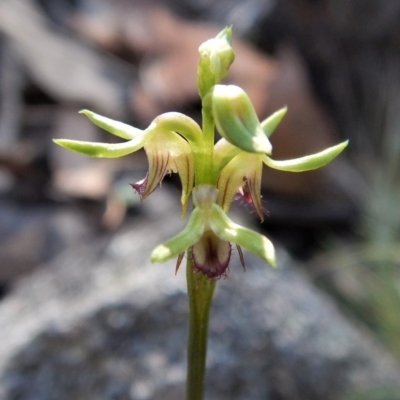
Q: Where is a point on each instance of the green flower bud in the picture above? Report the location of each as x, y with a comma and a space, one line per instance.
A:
216, 56
236, 119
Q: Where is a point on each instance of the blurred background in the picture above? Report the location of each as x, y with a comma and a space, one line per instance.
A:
334, 63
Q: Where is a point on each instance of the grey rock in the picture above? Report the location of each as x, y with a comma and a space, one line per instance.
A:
101, 322
31, 234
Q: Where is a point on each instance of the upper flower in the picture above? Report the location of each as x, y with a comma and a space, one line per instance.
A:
166, 150
239, 156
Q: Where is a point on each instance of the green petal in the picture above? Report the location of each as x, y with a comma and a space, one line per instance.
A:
227, 230
243, 170
106, 150
183, 240
270, 124
307, 163
115, 127
170, 152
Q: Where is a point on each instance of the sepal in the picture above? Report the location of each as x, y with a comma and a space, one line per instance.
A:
269, 124
183, 240
227, 230
307, 163
106, 150
117, 128
236, 119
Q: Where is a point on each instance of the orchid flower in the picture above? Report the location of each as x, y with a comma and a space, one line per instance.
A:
166, 150
209, 234
245, 147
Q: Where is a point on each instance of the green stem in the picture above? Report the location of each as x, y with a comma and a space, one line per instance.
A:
204, 162
200, 293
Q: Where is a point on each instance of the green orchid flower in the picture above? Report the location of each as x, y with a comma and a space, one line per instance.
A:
242, 173
209, 234
244, 148
166, 150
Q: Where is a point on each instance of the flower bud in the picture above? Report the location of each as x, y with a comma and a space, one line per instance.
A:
236, 119
216, 56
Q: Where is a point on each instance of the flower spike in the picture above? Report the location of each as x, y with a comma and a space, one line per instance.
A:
213, 175
175, 143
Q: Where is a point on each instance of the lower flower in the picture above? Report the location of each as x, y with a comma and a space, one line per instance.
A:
209, 234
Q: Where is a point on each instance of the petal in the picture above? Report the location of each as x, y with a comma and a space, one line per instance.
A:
307, 163
183, 240
244, 170
157, 170
140, 186
270, 124
137, 139
211, 255
169, 152
115, 127
244, 194
158, 164
227, 230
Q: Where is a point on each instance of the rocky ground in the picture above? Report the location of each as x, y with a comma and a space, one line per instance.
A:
100, 322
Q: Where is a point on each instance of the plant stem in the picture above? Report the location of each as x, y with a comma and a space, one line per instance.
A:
205, 152
200, 293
